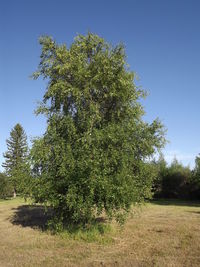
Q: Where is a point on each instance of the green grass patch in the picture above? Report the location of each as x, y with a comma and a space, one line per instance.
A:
101, 233
8, 201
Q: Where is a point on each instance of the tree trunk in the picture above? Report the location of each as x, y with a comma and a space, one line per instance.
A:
14, 193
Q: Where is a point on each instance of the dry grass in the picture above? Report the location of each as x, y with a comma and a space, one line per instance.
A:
161, 234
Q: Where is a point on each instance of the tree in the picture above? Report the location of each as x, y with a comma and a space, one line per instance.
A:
5, 186
16, 157
175, 180
92, 156
197, 168
195, 180
161, 171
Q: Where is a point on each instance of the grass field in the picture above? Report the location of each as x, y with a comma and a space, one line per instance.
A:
164, 233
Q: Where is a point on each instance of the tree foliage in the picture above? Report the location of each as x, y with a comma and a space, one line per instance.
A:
92, 156
195, 188
16, 157
5, 186
176, 180
160, 168
197, 169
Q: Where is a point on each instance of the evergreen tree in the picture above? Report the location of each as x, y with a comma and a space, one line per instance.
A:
92, 156
16, 157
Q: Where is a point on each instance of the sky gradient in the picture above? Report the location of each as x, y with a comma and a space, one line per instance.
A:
162, 40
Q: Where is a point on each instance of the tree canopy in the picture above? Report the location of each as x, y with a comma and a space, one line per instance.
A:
92, 157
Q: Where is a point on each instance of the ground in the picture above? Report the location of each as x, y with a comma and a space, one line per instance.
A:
161, 233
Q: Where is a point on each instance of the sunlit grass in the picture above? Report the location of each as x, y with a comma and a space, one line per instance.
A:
99, 232
161, 233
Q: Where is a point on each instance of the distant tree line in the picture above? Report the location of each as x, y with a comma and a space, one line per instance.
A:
176, 181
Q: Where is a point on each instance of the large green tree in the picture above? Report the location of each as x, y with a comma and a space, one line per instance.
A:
16, 158
92, 157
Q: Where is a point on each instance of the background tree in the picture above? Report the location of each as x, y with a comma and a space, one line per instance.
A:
92, 156
16, 158
195, 181
176, 180
161, 169
197, 168
5, 186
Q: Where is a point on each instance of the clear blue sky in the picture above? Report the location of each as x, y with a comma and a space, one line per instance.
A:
162, 40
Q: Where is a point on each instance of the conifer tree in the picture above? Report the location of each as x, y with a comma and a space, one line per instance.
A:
16, 157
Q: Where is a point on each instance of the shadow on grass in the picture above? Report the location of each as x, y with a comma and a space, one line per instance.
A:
36, 217
33, 216
175, 202
195, 212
